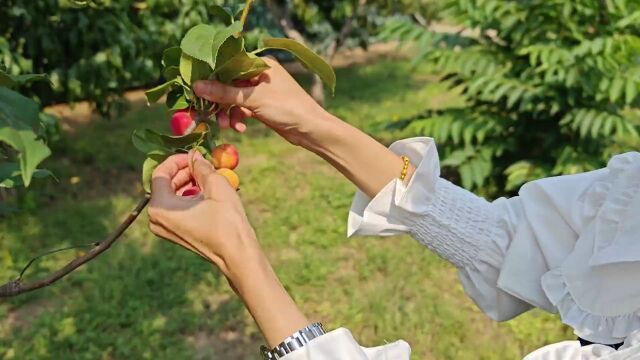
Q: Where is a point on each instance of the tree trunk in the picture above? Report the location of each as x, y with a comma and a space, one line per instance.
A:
287, 26
317, 90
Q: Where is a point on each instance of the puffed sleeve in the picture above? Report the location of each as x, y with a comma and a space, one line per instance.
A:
496, 245
572, 350
339, 344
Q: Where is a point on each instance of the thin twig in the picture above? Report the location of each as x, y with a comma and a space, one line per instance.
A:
32, 261
17, 287
245, 11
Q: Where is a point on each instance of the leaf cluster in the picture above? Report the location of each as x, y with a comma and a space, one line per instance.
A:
215, 51
22, 135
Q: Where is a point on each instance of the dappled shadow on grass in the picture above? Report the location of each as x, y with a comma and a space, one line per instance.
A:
128, 304
97, 160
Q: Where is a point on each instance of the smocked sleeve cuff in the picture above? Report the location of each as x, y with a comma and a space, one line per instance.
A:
456, 224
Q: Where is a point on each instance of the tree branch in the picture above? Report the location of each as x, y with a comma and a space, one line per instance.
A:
245, 11
17, 287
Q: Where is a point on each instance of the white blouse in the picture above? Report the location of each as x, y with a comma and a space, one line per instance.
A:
567, 244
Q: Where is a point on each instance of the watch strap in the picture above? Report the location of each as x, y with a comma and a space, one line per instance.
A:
294, 342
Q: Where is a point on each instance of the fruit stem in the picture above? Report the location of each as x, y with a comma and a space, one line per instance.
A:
245, 12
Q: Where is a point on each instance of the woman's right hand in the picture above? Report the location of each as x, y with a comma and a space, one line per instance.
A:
274, 98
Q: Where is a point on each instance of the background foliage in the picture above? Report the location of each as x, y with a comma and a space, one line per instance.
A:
94, 52
550, 87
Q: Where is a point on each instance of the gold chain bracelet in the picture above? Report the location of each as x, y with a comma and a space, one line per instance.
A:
405, 168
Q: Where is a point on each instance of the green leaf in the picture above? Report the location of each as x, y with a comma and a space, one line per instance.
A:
154, 158
242, 66
19, 116
616, 89
151, 141
171, 56
147, 141
31, 150
12, 81
203, 42
10, 175
193, 69
171, 72
222, 14
230, 48
631, 90
198, 42
176, 100
153, 95
18, 111
308, 58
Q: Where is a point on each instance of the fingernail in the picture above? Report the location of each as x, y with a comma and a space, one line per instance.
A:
198, 86
241, 127
198, 156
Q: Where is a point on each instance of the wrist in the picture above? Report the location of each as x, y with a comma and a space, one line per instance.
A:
254, 281
243, 259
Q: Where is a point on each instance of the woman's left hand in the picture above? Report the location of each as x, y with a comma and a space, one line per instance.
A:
212, 224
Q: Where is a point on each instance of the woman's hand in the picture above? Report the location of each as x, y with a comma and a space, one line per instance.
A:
212, 224
274, 97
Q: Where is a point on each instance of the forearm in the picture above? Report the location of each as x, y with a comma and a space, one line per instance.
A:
274, 311
363, 160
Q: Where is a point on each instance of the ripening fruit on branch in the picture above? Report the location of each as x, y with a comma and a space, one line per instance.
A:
231, 177
183, 122
192, 191
202, 127
225, 156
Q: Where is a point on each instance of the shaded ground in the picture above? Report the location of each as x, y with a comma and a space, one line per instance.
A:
146, 299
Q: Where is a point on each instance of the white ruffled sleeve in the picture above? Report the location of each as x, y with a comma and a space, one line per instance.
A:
567, 243
461, 227
339, 344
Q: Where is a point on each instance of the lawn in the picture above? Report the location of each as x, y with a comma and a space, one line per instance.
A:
147, 299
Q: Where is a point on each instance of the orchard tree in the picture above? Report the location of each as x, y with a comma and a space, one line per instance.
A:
216, 50
550, 87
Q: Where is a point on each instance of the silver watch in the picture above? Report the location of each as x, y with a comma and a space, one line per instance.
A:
294, 342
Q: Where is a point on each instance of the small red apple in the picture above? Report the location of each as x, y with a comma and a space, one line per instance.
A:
225, 156
183, 122
192, 191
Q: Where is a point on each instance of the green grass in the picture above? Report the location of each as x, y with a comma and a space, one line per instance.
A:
147, 299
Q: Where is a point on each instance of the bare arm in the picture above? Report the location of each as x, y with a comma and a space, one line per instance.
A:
363, 160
